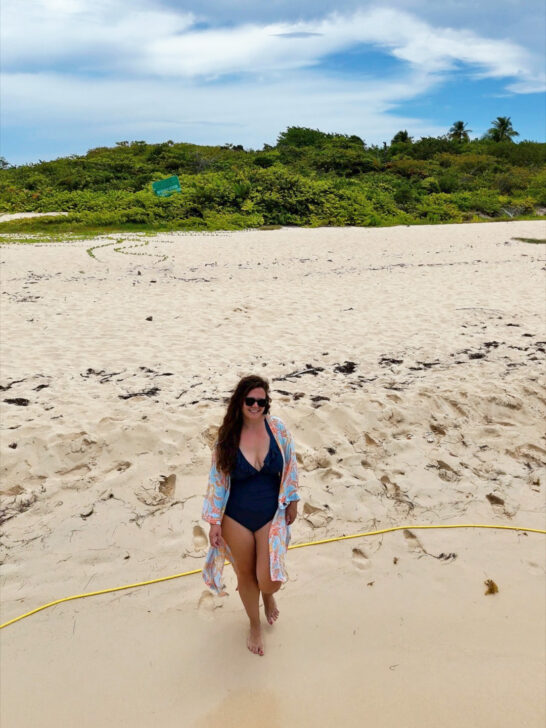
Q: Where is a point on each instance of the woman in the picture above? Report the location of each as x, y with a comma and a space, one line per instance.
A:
251, 501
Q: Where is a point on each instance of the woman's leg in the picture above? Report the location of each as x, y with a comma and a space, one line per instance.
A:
266, 586
243, 548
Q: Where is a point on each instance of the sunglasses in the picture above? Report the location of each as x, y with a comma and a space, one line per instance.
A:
249, 401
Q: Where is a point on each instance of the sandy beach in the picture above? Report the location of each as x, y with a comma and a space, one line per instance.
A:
408, 363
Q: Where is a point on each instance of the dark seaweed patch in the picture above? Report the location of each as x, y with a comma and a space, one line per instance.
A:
347, 368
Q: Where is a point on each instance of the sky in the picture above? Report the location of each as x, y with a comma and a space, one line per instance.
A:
78, 74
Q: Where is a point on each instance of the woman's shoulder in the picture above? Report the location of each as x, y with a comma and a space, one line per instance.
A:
278, 423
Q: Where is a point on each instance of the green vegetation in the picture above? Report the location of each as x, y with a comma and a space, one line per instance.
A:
310, 178
33, 238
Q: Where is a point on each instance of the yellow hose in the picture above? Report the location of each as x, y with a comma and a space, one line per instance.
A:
295, 546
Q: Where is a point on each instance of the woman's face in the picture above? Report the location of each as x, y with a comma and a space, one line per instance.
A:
252, 409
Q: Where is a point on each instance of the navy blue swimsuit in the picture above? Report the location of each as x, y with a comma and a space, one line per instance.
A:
254, 494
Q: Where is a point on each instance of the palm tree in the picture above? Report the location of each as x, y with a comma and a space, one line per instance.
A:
401, 136
459, 132
502, 130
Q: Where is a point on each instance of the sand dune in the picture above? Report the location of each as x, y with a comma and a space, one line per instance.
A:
409, 365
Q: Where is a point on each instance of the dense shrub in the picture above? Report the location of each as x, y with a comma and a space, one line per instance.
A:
409, 167
438, 208
299, 136
448, 182
430, 147
537, 187
309, 178
430, 184
486, 201
344, 161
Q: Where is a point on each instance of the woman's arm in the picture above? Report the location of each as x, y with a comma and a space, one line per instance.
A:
215, 536
216, 492
291, 512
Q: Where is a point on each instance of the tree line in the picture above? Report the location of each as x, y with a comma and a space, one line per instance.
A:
309, 177
501, 130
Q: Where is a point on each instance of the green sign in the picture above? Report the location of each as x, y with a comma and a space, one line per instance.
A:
166, 187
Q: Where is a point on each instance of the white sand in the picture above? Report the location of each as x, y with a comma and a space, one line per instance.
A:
6, 216
436, 436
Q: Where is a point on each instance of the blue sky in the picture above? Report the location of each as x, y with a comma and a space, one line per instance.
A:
77, 74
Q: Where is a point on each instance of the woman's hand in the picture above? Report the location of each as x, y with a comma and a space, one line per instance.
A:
291, 512
215, 536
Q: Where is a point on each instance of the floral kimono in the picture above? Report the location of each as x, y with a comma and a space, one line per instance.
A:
279, 533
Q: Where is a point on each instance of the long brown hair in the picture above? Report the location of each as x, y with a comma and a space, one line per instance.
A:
230, 429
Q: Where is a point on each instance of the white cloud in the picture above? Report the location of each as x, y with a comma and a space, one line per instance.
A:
94, 35
249, 112
533, 86
110, 69
103, 36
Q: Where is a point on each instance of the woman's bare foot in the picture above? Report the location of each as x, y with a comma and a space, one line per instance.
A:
270, 608
254, 641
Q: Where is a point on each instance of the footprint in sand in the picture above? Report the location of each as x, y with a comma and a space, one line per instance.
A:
395, 493
446, 472
529, 454
413, 543
458, 409
200, 540
314, 515
206, 605
360, 560
500, 507
167, 485
315, 460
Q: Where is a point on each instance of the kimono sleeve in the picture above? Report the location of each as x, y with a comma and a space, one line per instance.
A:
213, 506
291, 478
